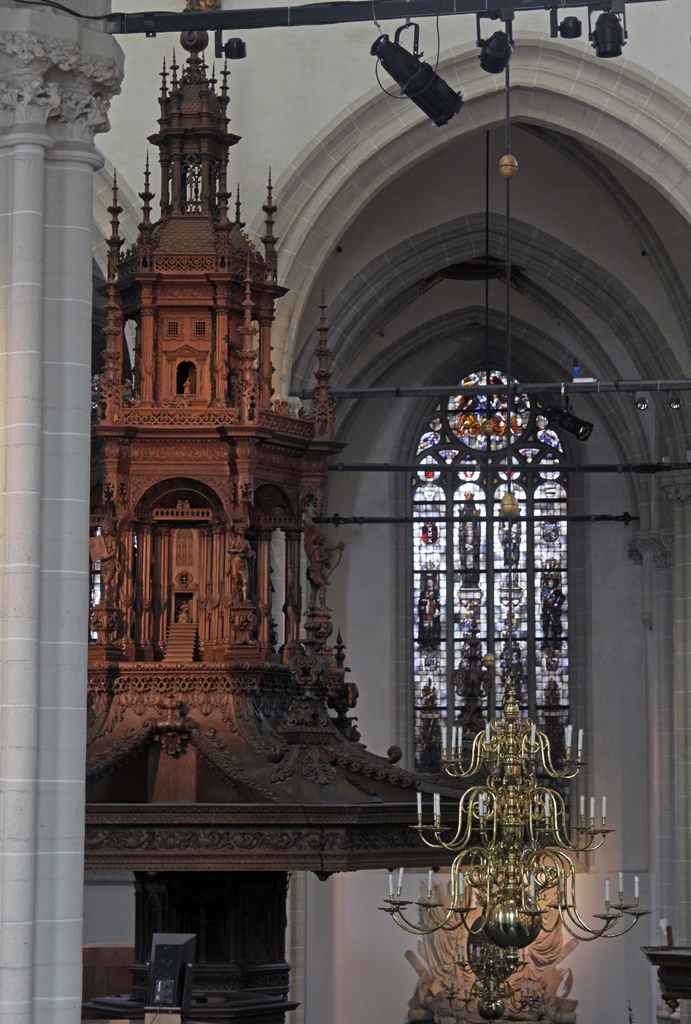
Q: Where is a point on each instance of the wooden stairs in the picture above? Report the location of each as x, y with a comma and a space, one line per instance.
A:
181, 644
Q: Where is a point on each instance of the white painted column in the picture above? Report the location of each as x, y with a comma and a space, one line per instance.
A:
677, 489
22, 165
53, 91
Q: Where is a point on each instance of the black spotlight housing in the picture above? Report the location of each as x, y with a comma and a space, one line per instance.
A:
569, 28
674, 402
608, 38
564, 419
495, 53
234, 49
416, 79
641, 401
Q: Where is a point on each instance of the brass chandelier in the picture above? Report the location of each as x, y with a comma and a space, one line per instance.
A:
514, 852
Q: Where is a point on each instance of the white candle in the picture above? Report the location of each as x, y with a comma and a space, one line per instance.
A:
636, 887
580, 741
568, 735
592, 807
663, 929
429, 881
400, 878
443, 737
391, 885
419, 805
454, 737
547, 806
581, 806
460, 737
487, 734
607, 890
437, 805
532, 887
621, 881
532, 735
481, 804
604, 807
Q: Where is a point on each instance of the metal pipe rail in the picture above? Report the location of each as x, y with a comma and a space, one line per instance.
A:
150, 23
337, 520
567, 387
644, 468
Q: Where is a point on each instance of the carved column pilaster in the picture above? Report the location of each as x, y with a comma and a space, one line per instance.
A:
220, 353
264, 588
676, 488
147, 358
293, 591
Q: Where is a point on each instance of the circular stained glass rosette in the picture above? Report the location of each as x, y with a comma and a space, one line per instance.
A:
467, 413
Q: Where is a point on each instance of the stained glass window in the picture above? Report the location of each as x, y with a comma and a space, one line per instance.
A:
475, 569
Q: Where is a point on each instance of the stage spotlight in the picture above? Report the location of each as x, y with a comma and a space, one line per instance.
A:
234, 49
495, 53
563, 419
417, 80
608, 38
569, 28
674, 402
641, 401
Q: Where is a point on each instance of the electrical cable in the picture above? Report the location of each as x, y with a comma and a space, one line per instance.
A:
65, 10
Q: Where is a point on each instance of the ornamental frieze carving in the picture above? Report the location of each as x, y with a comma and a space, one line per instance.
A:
295, 840
179, 417
178, 451
287, 425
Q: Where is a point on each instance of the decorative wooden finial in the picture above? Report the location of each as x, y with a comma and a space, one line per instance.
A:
240, 223
114, 242
268, 238
147, 195
324, 404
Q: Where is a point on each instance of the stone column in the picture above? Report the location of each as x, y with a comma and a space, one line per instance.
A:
677, 489
654, 552
55, 79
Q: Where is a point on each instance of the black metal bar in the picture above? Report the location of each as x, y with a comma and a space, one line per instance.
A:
644, 468
338, 520
344, 12
548, 388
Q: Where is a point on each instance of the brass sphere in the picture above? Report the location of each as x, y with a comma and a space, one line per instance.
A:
508, 166
509, 505
489, 661
490, 1007
511, 925
486, 428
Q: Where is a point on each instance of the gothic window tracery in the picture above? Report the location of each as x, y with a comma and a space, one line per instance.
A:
473, 567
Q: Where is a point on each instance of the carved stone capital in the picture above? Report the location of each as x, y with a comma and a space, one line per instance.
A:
29, 99
676, 486
31, 49
64, 81
658, 543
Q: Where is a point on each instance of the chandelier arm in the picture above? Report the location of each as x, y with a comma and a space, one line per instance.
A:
406, 925
545, 751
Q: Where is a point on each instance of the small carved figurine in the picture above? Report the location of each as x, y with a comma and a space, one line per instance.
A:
319, 562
